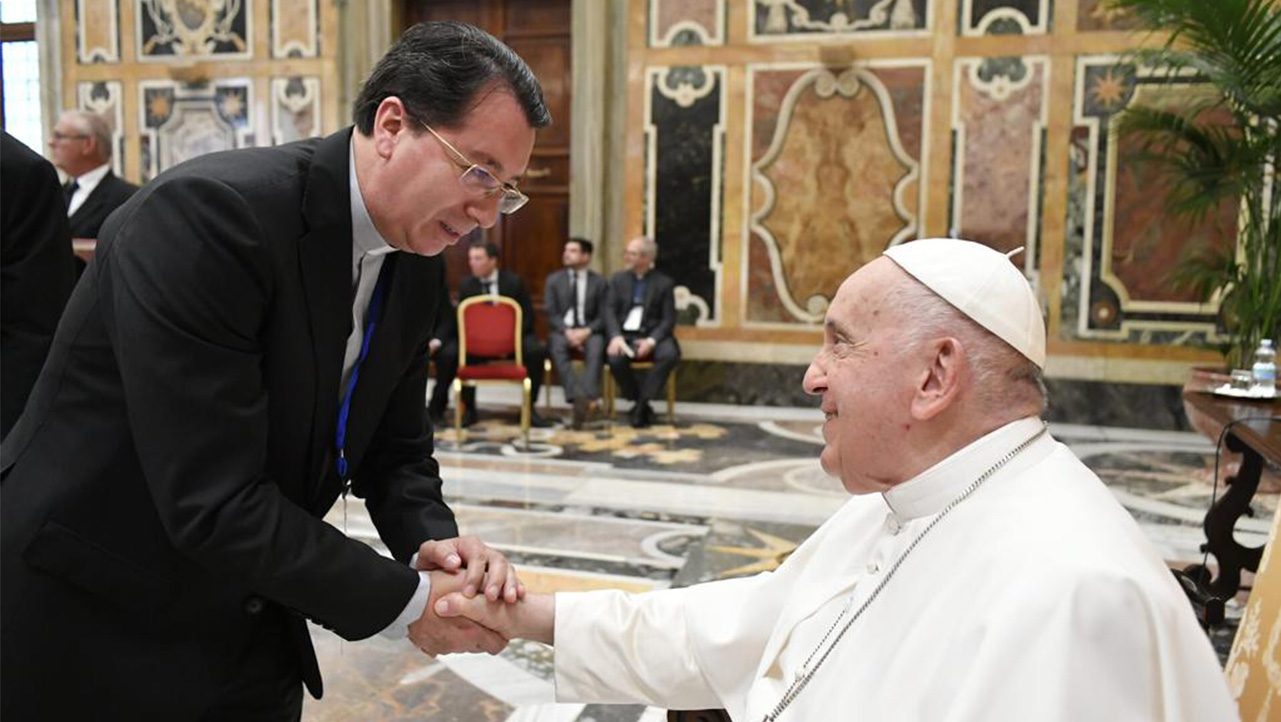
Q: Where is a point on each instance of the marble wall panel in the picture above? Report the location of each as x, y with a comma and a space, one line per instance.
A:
686, 22
295, 109
1122, 246
685, 141
173, 29
104, 97
806, 20
834, 178
183, 120
1094, 15
97, 31
295, 29
999, 120
1004, 17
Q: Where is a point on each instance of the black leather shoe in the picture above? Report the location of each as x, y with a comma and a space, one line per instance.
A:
642, 416
537, 421
579, 414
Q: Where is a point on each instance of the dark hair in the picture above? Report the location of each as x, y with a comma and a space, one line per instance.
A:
584, 244
491, 249
439, 70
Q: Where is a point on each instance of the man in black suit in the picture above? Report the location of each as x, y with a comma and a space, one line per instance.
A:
37, 271
640, 318
249, 345
81, 147
574, 298
488, 278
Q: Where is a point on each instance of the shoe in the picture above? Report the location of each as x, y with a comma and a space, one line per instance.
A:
579, 414
470, 417
642, 416
537, 421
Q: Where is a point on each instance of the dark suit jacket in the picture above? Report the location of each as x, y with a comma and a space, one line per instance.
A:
37, 270
510, 285
659, 319
557, 300
110, 193
175, 462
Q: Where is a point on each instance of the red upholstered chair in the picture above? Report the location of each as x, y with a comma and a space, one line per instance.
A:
490, 327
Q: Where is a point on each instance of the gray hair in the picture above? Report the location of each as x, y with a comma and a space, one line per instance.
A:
95, 126
649, 248
1003, 378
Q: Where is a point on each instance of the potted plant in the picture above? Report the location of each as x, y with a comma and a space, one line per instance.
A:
1224, 149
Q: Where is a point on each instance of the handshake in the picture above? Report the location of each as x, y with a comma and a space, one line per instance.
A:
476, 602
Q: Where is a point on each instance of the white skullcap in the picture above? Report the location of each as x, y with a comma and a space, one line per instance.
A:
981, 283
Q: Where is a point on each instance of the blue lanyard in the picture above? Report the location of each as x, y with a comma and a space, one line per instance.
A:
371, 320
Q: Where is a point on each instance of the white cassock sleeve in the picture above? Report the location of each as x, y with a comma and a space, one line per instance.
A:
1092, 647
678, 648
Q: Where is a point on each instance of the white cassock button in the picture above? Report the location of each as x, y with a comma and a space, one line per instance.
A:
873, 567
892, 524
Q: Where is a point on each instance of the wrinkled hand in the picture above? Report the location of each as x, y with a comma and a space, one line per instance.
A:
644, 347
534, 618
435, 635
616, 345
480, 567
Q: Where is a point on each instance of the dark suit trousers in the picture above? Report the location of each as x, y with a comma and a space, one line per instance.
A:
447, 369
665, 357
586, 385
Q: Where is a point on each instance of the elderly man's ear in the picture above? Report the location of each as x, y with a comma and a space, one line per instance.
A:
940, 380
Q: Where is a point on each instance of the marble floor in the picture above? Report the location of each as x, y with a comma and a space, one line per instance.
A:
724, 491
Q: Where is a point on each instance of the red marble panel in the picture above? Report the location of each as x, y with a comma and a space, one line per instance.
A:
699, 12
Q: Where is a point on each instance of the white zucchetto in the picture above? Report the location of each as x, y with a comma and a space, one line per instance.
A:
981, 283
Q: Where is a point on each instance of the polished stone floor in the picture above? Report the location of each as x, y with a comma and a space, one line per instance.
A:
724, 491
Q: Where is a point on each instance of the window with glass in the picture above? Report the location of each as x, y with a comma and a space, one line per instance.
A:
20, 73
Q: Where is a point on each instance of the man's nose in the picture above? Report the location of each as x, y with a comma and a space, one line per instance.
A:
815, 379
484, 211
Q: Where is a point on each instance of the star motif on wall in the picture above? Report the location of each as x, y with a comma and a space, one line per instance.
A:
775, 551
1109, 89
1106, 14
158, 106
233, 105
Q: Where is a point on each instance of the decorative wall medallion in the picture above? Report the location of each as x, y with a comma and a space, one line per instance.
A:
1004, 17
295, 109
686, 22
774, 20
999, 117
834, 179
103, 97
169, 29
295, 29
181, 121
685, 142
1122, 245
97, 31
1101, 15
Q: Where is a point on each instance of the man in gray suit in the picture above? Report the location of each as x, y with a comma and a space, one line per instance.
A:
574, 298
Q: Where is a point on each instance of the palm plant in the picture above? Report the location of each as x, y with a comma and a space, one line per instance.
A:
1221, 150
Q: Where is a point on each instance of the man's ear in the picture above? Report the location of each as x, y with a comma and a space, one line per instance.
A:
390, 123
941, 384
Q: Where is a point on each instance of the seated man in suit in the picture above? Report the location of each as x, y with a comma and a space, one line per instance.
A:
443, 335
575, 301
488, 278
640, 316
81, 147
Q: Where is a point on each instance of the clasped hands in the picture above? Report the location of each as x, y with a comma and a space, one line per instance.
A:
466, 567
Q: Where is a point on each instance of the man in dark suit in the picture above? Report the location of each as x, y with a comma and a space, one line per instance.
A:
37, 271
488, 278
574, 298
250, 344
81, 147
640, 318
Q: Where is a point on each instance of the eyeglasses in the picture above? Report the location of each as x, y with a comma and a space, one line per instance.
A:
479, 179
59, 137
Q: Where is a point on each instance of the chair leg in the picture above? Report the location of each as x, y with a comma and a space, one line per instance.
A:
671, 397
607, 387
526, 404
547, 384
458, 411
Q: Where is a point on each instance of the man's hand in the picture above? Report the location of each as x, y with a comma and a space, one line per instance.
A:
534, 618
644, 347
480, 567
616, 346
433, 346
434, 635
577, 336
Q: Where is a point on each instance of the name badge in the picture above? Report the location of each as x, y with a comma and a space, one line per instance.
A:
569, 318
634, 316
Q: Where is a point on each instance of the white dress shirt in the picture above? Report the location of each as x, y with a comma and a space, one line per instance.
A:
85, 185
579, 284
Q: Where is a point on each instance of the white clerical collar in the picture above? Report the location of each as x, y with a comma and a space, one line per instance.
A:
931, 490
365, 239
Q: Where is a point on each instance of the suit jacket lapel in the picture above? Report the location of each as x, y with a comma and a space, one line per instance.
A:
91, 202
324, 257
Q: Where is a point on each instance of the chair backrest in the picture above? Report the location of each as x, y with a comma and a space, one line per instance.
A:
489, 325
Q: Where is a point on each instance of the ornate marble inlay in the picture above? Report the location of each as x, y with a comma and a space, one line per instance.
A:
98, 31
806, 19
295, 109
1004, 17
834, 187
181, 121
104, 98
193, 29
295, 29
686, 22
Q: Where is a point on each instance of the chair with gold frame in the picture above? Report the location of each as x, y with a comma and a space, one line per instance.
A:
489, 327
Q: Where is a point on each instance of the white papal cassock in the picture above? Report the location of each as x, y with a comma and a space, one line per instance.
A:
1038, 598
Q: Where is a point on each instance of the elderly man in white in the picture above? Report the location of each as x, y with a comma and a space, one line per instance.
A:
980, 571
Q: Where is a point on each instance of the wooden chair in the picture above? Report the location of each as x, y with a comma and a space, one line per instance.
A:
610, 390
490, 327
